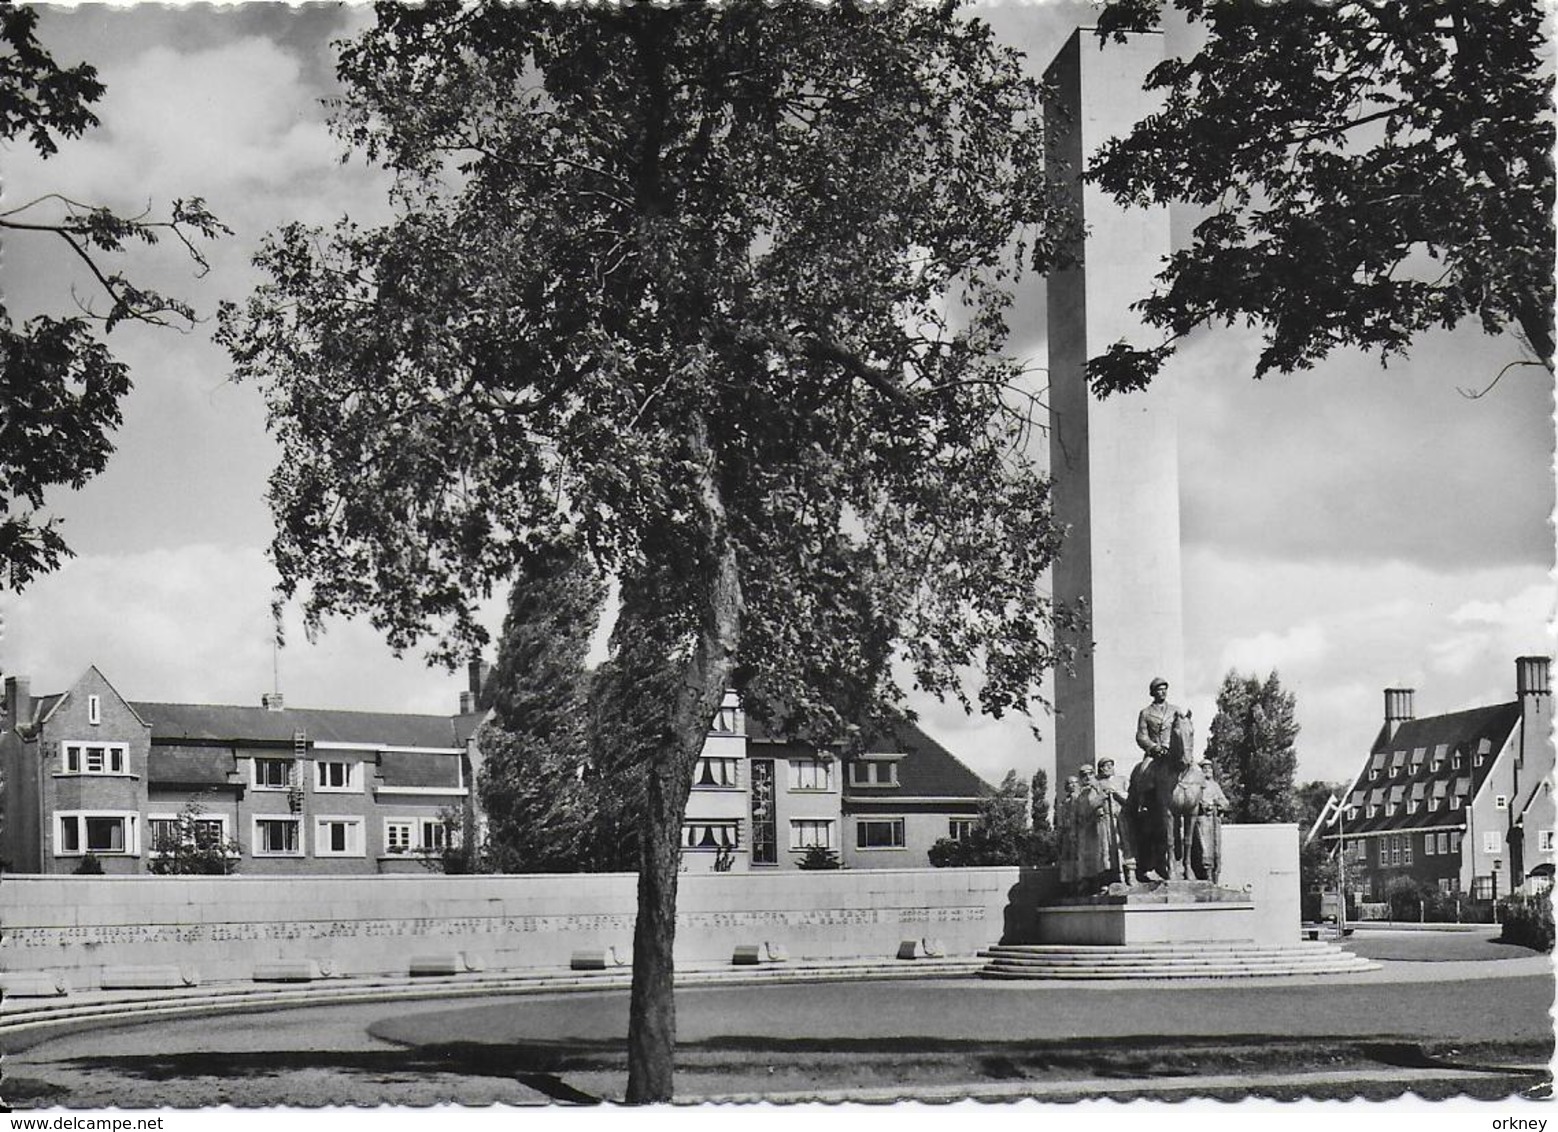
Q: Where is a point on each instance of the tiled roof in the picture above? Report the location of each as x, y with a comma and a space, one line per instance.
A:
928, 771
231, 724
405, 769
1435, 780
187, 766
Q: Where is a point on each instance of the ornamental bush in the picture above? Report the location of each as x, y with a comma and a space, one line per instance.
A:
1528, 921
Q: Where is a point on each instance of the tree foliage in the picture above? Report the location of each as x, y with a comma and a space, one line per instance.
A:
1251, 747
1368, 172
1001, 833
195, 847
535, 749
719, 292
60, 388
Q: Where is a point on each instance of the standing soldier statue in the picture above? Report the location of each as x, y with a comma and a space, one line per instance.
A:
1206, 843
1065, 830
1113, 826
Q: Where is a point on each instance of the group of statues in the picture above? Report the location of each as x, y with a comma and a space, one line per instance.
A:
1163, 823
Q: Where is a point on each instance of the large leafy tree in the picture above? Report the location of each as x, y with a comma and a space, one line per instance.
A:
1251, 746
1000, 836
60, 387
535, 748
1368, 171
719, 291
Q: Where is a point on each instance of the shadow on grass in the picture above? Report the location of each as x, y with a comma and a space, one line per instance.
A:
545, 1065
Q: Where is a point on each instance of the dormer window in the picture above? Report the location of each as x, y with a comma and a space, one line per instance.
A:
1455, 761
727, 720
869, 771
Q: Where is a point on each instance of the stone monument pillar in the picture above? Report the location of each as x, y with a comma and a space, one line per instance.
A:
1115, 462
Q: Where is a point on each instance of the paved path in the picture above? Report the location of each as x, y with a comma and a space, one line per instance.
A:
939, 1036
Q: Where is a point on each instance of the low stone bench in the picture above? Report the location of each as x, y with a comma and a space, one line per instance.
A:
289, 971
922, 949
750, 954
148, 978
33, 984
594, 959
451, 963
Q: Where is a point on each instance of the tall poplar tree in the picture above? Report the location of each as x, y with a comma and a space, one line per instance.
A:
1251, 746
535, 753
719, 291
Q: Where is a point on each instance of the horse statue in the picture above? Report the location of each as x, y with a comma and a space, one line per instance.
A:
1171, 802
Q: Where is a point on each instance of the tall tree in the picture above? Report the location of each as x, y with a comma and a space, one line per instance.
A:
535, 750
1044, 844
1000, 835
720, 290
1369, 171
1251, 747
60, 387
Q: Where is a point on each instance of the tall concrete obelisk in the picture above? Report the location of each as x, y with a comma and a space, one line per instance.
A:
1115, 462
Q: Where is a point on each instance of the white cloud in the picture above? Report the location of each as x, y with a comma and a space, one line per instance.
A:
1302, 645
193, 624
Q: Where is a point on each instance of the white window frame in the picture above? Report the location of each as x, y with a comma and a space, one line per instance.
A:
433, 836
1491, 842
959, 828
79, 818
75, 758
866, 772
1428, 845
256, 844
726, 721
353, 776
1406, 848
729, 834
816, 767
355, 839
1444, 843
254, 772
151, 837
860, 834
1544, 841
1501, 801
409, 826
717, 767
94, 710
804, 834
415, 828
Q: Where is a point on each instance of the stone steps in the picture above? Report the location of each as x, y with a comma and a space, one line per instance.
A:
1169, 961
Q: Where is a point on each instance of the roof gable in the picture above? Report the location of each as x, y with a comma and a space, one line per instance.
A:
216, 723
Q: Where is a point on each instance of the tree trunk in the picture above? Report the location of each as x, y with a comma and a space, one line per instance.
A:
705, 677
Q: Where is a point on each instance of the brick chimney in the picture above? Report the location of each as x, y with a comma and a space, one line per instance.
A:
18, 702
272, 701
1534, 691
477, 672
1398, 709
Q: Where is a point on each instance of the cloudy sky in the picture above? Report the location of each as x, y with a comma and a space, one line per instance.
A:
1355, 527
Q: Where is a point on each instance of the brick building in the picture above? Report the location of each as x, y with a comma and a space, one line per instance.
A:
300, 790
1461, 802
305, 790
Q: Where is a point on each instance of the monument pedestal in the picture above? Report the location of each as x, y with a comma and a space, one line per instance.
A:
1179, 911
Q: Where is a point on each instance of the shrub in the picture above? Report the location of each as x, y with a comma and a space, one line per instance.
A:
818, 858
1528, 921
90, 866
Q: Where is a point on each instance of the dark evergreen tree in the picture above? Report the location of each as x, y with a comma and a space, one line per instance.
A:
1251, 745
534, 777
1043, 844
